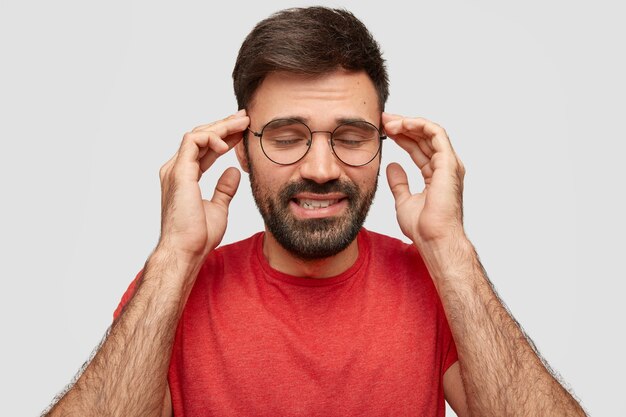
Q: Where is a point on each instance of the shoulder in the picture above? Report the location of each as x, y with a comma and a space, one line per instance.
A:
398, 260
224, 267
383, 239
239, 246
232, 254
390, 247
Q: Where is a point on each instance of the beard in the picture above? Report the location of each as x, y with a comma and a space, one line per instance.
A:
310, 239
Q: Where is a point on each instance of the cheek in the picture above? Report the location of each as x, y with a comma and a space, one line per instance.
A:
269, 178
365, 177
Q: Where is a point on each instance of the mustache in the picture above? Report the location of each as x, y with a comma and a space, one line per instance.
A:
307, 185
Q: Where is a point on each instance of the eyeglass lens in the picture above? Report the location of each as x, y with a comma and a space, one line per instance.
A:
286, 141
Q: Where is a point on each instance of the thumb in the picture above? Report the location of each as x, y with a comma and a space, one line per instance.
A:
398, 182
226, 187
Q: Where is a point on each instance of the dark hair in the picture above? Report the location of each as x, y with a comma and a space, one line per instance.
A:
308, 41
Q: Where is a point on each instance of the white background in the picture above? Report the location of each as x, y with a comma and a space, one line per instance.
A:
95, 97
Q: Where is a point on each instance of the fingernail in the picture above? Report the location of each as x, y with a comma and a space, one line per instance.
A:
240, 113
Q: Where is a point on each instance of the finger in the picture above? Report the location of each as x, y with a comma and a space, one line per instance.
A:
411, 127
413, 123
422, 142
398, 183
199, 149
228, 130
413, 149
187, 160
240, 113
210, 157
387, 117
214, 138
439, 140
230, 134
230, 141
225, 127
226, 187
196, 142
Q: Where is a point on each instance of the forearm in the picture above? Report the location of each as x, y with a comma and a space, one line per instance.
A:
128, 375
502, 374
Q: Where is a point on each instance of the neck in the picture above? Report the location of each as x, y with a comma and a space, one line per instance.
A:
284, 261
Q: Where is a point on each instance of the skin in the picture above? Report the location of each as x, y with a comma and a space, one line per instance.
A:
498, 372
321, 102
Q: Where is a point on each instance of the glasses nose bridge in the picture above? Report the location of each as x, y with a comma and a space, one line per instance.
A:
328, 140
320, 164
330, 136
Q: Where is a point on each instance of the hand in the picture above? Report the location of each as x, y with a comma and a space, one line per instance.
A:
435, 214
190, 226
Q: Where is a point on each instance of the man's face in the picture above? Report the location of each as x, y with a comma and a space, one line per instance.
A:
315, 207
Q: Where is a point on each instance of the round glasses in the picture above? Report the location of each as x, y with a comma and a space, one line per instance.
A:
286, 141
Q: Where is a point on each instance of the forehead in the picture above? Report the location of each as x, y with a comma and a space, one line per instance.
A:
322, 98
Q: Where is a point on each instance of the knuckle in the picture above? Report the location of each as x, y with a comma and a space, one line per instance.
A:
438, 130
437, 158
211, 136
188, 136
434, 128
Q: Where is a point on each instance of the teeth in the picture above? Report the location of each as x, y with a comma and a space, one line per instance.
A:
315, 204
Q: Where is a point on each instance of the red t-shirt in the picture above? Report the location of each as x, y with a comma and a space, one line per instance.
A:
252, 341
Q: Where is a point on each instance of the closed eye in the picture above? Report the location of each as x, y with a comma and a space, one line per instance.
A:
351, 142
286, 142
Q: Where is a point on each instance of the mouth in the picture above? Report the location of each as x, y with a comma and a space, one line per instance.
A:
309, 204
319, 205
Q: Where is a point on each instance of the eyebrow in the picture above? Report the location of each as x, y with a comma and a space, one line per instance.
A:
339, 120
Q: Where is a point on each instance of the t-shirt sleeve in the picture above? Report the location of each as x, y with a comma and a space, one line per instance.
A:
127, 295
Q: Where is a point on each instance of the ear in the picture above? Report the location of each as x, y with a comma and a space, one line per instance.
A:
242, 157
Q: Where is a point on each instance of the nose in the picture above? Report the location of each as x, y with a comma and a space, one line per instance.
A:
320, 164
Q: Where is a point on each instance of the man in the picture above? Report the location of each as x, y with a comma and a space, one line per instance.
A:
315, 316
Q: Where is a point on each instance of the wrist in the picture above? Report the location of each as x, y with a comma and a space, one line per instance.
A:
449, 258
169, 252
172, 270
